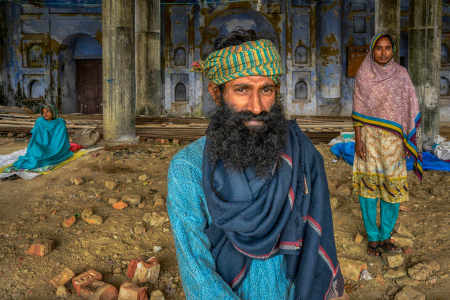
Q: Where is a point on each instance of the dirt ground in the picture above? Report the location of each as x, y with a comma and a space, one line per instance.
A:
35, 209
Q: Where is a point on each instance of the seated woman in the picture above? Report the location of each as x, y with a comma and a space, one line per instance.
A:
49, 144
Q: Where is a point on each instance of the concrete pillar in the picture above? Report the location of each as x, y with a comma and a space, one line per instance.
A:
119, 103
424, 60
330, 52
148, 57
387, 20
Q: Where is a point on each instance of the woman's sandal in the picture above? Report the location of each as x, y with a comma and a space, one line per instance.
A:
373, 249
389, 247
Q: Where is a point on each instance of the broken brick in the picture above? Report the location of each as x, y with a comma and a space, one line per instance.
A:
62, 278
69, 222
85, 279
130, 291
99, 290
141, 271
120, 205
40, 247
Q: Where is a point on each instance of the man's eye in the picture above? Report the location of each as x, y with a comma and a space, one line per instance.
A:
267, 90
240, 90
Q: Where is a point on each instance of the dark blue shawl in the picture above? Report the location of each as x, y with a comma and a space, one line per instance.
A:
287, 214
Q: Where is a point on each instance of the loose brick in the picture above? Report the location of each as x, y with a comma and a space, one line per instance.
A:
62, 278
130, 291
99, 290
94, 220
141, 271
69, 222
85, 279
40, 247
120, 205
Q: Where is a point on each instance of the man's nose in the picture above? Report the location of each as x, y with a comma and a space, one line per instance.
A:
254, 103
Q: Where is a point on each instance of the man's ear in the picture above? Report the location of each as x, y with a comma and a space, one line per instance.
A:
214, 91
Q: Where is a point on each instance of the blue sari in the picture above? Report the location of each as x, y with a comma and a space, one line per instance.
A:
49, 145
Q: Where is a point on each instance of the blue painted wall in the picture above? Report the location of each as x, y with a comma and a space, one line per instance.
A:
43, 43
312, 36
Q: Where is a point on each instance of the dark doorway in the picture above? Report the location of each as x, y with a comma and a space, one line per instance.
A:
89, 85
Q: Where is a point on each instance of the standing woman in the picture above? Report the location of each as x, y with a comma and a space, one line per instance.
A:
49, 144
385, 115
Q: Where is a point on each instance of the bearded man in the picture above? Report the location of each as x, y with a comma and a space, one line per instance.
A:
249, 203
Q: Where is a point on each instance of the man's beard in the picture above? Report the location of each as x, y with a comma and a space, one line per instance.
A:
239, 147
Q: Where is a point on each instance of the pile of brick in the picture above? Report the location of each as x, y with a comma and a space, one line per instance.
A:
90, 285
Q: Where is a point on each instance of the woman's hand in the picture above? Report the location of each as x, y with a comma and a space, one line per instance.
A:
360, 147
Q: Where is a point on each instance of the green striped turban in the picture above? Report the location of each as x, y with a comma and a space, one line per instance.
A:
254, 58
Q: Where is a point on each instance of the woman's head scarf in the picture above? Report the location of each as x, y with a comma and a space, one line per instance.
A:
51, 108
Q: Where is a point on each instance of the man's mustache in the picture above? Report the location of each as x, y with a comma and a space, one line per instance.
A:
244, 116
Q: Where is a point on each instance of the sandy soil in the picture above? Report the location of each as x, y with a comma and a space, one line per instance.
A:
35, 209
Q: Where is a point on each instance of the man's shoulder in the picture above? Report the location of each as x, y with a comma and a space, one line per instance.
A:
192, 153
310, 151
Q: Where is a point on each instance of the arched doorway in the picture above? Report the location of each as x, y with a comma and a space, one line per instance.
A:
81, 74
222, 25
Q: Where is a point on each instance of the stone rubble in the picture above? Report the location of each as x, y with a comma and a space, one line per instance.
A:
409, 293
40, 247
157, 295
394, 261
132, 199
62, 278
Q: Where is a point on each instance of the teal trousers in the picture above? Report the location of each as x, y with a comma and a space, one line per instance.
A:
388, 218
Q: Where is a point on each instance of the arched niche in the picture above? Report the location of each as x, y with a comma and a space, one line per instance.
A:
87, 47
180, 92
301, 90
445, 87
36, 89
444, 54
301, 55
359, 24
75, 47
179, 57
230, 20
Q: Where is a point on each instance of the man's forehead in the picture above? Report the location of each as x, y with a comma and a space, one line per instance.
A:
252, 80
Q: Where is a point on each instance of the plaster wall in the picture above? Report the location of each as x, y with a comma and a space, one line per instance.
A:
316, 81
41, 43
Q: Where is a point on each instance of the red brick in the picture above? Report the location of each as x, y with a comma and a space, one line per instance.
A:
69, 222
141, 271
40, 248
99, 290
85, 279
130, 291
62, 278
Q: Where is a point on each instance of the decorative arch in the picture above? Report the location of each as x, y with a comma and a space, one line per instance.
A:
36, 89
444, 55
301, 90
179, 57
239, 18
301, 55
73, 47
180, 92
445, 86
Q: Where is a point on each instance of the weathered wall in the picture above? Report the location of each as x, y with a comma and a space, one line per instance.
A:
315, 39
445, 64
40, 61
3, 43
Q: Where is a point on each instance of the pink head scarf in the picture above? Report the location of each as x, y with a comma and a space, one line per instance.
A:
384, 96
